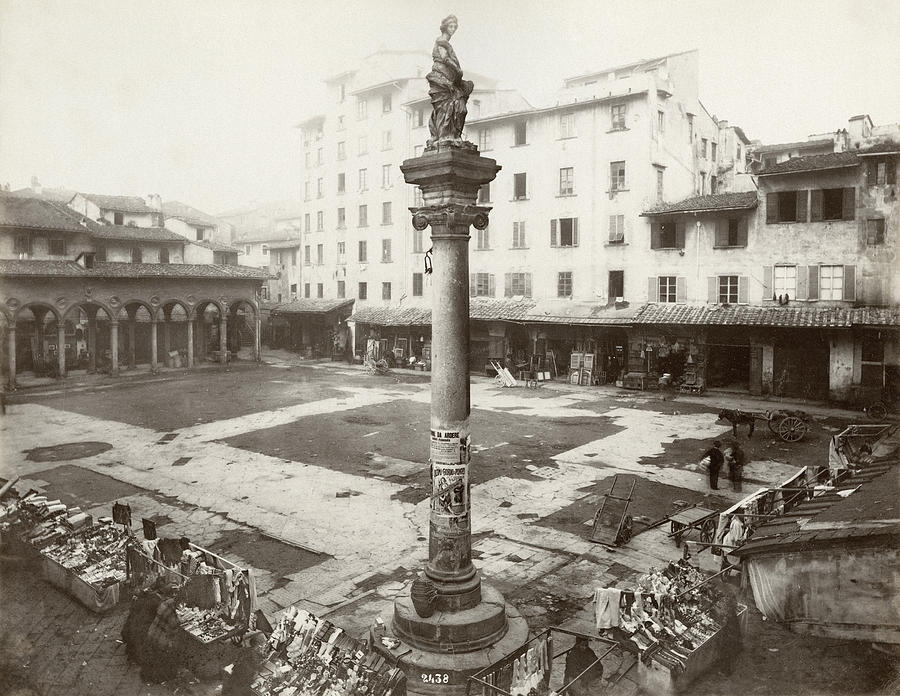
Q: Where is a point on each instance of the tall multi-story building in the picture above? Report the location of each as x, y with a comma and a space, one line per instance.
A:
627, 222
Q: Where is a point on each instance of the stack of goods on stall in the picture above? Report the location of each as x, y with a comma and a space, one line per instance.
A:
308, 656
668, 615
96, 554
38, 520
216, 599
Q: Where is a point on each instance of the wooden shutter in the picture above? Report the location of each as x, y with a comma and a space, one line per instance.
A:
712, 289
680, 289
612, 228
491, 287
743, 290
890, 174
743, 224
507, 290
802, 205
849, 207
553, 233
574, 231
818, 198
768, 282
679, 235
802, 284
653, 289
872, 172
527, 285
721, 233
473, 284
655, 235
812, 283
771, 208
850, 282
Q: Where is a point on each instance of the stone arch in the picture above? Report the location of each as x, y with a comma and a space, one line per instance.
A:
123, 308
93, 335
43, 305
209, 339
32, 346
244, 328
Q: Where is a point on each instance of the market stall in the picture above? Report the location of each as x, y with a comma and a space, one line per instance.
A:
215, 600
307, 656
677, 621
84, 559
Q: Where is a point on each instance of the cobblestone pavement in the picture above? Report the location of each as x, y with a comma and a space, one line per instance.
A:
50, 645
315, 476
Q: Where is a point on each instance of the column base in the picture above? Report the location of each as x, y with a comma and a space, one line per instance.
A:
451, 646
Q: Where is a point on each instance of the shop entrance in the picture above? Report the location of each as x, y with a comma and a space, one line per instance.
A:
801, 369
728, 367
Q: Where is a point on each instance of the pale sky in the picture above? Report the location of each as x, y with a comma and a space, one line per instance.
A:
197, 100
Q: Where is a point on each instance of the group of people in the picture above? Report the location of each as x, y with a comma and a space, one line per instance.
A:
736, 459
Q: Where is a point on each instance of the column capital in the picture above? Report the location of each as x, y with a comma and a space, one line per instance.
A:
451, 215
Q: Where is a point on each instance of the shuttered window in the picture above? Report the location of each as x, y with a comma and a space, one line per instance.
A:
517, 284
731, 232
518, 240
667, 235
616, 229
564, 232
481, 284
417, 285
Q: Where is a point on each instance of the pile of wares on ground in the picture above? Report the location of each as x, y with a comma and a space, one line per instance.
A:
96, 554
308, 656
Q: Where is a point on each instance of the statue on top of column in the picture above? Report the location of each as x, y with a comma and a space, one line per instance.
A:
448, 91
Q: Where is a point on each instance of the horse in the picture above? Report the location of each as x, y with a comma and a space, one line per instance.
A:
736, 417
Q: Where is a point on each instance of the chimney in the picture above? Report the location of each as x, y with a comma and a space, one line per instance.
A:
36, 187
154, 200
859, 128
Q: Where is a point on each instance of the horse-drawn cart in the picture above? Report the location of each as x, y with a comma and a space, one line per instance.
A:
789, 425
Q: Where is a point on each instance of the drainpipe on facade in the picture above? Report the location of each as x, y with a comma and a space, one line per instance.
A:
699, 226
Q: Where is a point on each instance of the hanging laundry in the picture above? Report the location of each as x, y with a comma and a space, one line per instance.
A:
606, 607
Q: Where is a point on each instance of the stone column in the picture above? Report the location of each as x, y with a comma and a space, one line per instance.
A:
132, 321
92, 339
257, 328
190, 343
39, 314
153, 346
61, 346
453, 624
223, 339
114, 346
11, 337
167, 334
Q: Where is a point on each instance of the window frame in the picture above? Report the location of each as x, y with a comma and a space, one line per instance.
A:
386, 290
617, 116
835, 276
418, 284
386, 251
519, 238
520, 125
362, 290
566, 181
667, 286
728, 288
164, 256
567, 125
362, 251
618, 174
520, 186
616, 229
564, 279
782, 282
387, 214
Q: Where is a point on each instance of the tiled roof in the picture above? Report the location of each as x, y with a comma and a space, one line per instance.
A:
213, 245
834, 160
57, 195
134, 233
392, 316
125, 204
562, 312
36, 213
717, 201
480, 309
189, 214
311, 306
289, 244
508, 310
15, 267
879, 148
799, 145
745, 315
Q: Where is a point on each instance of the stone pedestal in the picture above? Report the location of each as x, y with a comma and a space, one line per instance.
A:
472, 625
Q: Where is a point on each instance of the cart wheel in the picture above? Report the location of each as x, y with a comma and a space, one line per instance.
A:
707, 531
877, 411
625, 532
773, 423
792, 429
